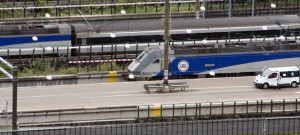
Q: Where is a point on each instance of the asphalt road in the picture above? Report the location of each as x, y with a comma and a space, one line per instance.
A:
133, 93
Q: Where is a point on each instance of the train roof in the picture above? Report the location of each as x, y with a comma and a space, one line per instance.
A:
31, 29
209, 25
258, 45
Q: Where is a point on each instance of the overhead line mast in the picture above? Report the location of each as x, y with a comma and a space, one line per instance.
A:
166, 42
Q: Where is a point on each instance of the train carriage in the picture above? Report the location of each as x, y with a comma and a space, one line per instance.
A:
222, 58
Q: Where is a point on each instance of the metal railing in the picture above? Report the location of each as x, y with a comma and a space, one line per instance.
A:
170, 112
263, 126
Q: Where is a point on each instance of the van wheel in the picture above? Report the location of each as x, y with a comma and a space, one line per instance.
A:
265, 86
293, 84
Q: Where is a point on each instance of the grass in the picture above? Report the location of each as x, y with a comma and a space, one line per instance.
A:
42, 68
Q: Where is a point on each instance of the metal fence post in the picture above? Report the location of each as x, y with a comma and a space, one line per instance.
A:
112, 58
198, 126
173, 112
161, 111
199, 110
57, 54
222, 109
283, 106
185, 110
138, 113
234, 108
257, 107
247, 107
20, 63
261, 107
264, 126
148, 112
196, 110
296, 106
132, 130
210, 106
53, 58
271, 107
7, 54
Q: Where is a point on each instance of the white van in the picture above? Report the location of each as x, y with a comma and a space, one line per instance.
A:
269, 77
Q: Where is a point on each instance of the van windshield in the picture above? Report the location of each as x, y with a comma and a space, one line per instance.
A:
265, 72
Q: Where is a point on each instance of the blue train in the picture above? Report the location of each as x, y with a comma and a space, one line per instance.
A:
33, 36
14, 37
223, 58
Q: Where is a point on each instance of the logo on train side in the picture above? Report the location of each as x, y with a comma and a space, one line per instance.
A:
183, 66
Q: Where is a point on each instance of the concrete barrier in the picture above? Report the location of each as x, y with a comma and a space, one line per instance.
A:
195, 110
81, 78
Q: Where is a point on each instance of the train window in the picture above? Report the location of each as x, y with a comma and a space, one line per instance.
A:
144, 56
140, 56
156, 61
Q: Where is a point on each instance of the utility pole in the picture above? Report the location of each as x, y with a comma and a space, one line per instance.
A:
166, 86
166, 42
